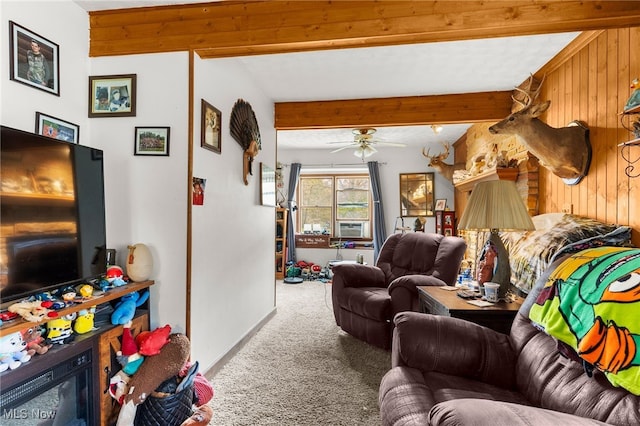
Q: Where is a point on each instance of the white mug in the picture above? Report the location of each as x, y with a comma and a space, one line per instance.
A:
491, 291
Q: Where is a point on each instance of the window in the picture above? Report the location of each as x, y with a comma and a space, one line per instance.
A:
335, 205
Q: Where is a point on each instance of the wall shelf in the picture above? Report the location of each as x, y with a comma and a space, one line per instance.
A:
499, 173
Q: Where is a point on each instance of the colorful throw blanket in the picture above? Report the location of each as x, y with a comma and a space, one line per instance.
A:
591, 302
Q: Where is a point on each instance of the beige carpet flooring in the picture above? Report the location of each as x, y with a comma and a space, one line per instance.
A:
300, 369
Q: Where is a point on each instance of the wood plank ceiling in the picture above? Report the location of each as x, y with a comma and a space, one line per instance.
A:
231, 28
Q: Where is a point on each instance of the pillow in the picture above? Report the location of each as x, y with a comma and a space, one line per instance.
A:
590, 303
531, 252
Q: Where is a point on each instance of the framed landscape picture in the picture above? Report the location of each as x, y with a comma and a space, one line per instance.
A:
52, 127
34, 60
211, 128
112, 95
152, 141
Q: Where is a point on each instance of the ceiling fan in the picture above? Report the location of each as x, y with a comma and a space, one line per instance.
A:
363, 141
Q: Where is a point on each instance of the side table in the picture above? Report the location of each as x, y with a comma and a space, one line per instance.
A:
437, 301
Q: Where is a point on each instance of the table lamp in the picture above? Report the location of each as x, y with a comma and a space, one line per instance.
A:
497, 206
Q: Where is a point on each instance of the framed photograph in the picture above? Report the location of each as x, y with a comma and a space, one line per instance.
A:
152, 141
211, 128
441, 204
34, 59
112, 95
47, 125
416, 194
267, 185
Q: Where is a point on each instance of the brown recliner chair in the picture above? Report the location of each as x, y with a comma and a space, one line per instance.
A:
366, 298
447, 371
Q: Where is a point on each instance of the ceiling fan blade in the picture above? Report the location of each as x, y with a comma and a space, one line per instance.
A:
340, 149
390, 144
349, 142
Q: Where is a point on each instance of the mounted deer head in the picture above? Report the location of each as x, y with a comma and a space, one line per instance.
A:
437, 162
566, 151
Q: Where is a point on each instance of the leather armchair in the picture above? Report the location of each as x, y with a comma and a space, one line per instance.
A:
366, 298
447, 371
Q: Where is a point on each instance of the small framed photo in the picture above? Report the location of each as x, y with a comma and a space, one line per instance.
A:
441, 204
47, 125
34, 60
152, 141
211, 128
112, 95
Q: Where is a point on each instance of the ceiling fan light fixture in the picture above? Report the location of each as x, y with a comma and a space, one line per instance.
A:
364, 151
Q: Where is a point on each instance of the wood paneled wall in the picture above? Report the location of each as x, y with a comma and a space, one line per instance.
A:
593, 87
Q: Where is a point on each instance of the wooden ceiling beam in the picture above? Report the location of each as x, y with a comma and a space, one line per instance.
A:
399, 111
230, 28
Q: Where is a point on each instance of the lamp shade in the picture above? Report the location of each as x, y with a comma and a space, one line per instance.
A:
495, 205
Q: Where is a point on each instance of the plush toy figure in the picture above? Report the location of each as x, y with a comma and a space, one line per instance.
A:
34, 340
84, 322
128, 356
35, 311
126, 307
153, 371
60, 330
151, 342
13, 351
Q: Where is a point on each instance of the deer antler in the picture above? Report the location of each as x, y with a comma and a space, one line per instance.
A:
529, 95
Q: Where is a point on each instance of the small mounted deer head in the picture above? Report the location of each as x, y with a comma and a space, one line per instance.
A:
437, 162
566, 151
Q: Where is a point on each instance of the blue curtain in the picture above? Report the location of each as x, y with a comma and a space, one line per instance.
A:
294, 175
379, 228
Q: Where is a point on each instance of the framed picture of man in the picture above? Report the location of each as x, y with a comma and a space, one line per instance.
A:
112, 95
34, 60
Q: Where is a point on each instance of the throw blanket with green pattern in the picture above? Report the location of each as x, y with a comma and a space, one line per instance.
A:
591, 302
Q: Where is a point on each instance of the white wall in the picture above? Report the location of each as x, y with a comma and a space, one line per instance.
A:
233, 258
393, 161
20, 102
147, 197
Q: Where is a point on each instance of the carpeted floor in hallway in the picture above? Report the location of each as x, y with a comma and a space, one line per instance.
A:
301, 369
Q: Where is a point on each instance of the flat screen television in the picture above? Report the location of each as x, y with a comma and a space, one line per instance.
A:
52, 224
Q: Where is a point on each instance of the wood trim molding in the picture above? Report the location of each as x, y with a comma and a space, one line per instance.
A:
399, 111
234, 28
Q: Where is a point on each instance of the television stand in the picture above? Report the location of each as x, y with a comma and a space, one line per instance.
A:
93, 353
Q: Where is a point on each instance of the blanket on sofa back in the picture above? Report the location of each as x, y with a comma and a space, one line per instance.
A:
591, 302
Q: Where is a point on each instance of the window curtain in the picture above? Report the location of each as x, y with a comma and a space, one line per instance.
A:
379, 229
294, 175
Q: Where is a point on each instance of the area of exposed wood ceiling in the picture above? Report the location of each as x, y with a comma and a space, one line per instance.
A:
276, 38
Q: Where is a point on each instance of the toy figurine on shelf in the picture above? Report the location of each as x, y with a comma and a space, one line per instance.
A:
60, 330
13, 351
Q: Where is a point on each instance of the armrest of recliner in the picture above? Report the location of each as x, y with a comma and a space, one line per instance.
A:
453, 346
357, 275
404, 294
485, 412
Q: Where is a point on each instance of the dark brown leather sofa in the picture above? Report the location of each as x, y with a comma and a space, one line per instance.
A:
446, 371
365, 297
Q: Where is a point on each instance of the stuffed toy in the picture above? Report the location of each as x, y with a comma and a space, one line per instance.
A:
34, 311
153, 371
126, 307
34, 340
13, 351
84, 322
150, 342
128, 356
59, 330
